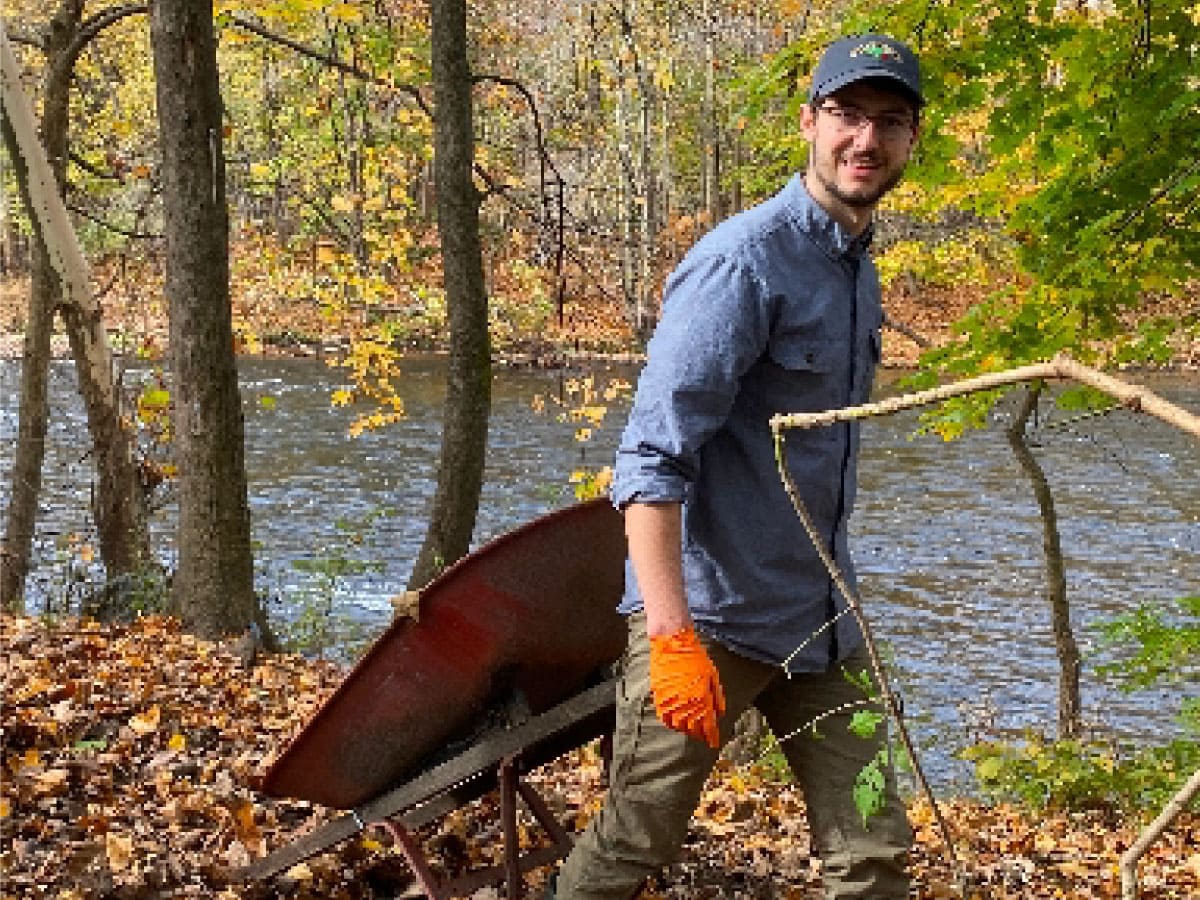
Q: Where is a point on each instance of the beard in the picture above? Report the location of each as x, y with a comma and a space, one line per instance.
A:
827, 165
863, 199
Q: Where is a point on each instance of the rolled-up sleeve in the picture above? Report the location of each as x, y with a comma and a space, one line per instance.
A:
714, 326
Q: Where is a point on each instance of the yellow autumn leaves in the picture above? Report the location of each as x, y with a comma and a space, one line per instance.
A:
585, 403
373, 365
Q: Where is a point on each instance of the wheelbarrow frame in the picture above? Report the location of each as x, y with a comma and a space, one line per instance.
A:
500, 758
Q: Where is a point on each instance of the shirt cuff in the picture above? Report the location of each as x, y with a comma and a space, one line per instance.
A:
646, 479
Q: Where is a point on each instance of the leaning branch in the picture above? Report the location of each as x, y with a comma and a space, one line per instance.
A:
1132, 397
1129, 859
62, 245
887, 697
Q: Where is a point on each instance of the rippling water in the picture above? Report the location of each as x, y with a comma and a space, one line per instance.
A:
947, 536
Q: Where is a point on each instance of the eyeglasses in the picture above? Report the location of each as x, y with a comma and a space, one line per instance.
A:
891, 127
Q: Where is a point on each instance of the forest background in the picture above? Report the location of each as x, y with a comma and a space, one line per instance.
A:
1051, 206
1054, 185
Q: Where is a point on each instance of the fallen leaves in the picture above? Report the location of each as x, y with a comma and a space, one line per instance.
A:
131, 754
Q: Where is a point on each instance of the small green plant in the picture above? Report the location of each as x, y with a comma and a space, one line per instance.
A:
1164, 647
870, 785
869, 792
144, 592
317, 624
1071, 775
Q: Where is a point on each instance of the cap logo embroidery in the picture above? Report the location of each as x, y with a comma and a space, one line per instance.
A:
881, 52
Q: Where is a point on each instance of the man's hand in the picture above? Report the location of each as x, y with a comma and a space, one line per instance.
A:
686, 688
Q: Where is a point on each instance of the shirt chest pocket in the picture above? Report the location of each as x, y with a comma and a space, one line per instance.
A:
805, 374
798, 354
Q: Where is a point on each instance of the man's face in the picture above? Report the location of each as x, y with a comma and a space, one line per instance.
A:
860, 139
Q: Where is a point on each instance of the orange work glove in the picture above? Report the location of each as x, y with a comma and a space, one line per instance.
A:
686, 688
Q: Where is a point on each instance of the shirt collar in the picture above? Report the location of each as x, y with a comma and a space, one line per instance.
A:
828, 234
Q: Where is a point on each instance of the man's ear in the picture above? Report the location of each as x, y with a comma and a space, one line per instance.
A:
808, 121
916, 136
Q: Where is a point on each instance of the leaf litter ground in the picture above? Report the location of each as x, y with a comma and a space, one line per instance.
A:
131, 752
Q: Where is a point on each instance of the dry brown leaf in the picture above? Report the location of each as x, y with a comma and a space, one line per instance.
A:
119, 850
146, 722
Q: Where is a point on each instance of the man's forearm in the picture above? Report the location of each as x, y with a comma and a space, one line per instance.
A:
654, 533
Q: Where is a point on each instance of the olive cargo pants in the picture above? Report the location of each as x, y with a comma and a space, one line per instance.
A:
657, 775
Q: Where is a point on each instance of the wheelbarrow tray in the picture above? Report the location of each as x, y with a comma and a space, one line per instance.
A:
457, 781
528, 620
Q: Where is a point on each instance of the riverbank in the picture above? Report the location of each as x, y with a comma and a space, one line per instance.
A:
132, 752
282, 328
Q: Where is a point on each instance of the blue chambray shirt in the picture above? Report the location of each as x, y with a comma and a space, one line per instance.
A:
776, 310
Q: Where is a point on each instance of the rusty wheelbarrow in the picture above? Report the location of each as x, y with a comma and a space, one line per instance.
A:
506, 666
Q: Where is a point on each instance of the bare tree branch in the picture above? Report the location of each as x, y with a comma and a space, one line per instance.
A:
1133, 397
27, 40
539, 134
108, 226
97, 23
93, 170
913, 335
1129, 859
333, 62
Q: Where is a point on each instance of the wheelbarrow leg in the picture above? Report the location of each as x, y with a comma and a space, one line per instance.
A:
515, 863
606, 757
512, 784
416, 858
508, 823
562, 838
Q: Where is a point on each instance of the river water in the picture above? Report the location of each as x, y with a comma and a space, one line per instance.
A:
947, 535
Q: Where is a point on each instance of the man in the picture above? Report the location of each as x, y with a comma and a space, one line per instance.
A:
776, 310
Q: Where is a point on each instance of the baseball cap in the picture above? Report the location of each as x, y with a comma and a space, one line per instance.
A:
855, 58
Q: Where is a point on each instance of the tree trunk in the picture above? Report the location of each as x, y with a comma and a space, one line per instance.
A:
121, 514
468, 396
34, 410
666, 176
648, 205
213, 590
627, 196
711, 173
1056, 577
735, 197
639, 198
